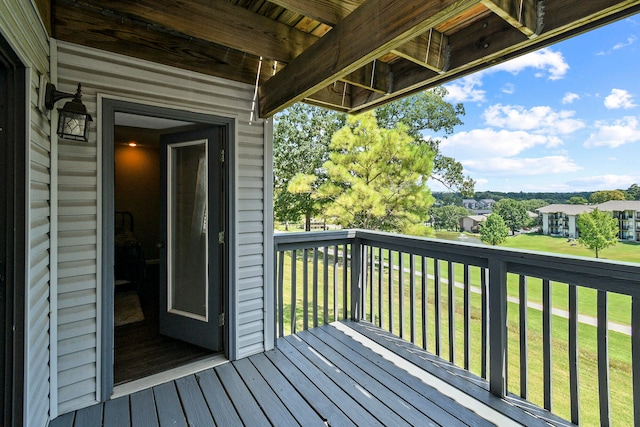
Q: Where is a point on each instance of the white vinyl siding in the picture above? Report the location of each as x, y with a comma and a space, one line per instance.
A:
21, 27
119, 77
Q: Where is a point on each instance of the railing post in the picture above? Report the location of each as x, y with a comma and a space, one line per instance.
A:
497, 327
356, 278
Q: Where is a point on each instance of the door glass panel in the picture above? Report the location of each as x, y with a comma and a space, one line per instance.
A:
187, 229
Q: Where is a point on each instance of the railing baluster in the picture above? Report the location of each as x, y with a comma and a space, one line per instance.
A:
425, 319
524, 339
484, 351
437, 304
336, 297
364, 274
294, 285
356, 279
305, 289
547, 362
372, 267
380, 279
412, 297
401, 292
391, 302
325, 285
452, 311
345, 291
635, 356
467, 317
574, 385
497, 327
315, 288
280, 292
603, 359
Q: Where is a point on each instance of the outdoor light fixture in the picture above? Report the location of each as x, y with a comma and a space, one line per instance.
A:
73, 119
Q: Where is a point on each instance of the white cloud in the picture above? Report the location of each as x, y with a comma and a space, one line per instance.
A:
509, 89
622, 131
549, 62
486, 143
619, 98
522, 166
603, 182
569, 97
466, 89
540, 119
630, 40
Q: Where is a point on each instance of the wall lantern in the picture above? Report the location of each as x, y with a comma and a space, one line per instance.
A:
73, 119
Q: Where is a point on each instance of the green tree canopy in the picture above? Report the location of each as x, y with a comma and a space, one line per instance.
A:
606, 195
447, 217
428, 110
302, 136
376, 178
513, 213
633, 192
578, 200
494, 230
598, 230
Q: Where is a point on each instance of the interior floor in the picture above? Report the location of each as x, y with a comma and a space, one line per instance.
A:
140, 350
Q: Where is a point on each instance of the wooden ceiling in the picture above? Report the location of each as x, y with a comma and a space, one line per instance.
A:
349, 55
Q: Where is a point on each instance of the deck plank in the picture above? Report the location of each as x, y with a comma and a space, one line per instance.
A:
249, 410
116, 412
195, 407
433, 365
264, 395
309, 391
143, 409
89, 417
370, 402
382, 385
65, 420
350, 406
170, 411
443, 402
223, 411
396, 383
297, 406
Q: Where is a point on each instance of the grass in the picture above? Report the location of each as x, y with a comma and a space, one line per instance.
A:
619, 344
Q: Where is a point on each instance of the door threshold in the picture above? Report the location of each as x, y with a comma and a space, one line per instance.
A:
169, 375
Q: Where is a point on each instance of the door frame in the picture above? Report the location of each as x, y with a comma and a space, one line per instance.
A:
13, 194
107, 109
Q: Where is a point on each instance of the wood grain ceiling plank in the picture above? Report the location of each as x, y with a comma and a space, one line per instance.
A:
373, 29
521, 14
218, 22
330, 12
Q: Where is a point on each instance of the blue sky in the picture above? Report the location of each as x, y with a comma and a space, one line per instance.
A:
564, 118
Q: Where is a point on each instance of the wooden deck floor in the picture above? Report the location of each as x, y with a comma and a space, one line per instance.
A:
344, 374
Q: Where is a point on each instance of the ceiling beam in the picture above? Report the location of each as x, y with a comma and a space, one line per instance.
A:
329, 12
428, 49
522, 14
215, 21
375, 76
372, 30
336, 96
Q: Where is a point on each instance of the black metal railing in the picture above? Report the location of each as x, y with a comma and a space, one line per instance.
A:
453, 297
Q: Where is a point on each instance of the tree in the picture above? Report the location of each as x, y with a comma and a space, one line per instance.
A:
494, 230
512, 212
633, 192
428, 110
302, 136
606, 195
598, 230
578, 200
447, 217
376, 177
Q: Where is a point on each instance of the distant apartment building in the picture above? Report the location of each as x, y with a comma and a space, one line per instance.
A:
562, 220
479, 207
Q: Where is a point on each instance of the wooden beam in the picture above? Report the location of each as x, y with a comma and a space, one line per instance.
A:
428, 49
90, 28
372, 30
519, 13
374, 76
329, 12
336, 96
215, 21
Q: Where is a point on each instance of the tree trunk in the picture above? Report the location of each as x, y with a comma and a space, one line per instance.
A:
307, 221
